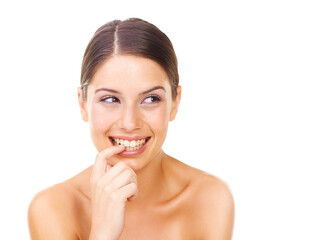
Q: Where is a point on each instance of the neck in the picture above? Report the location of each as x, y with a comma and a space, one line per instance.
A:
151, 180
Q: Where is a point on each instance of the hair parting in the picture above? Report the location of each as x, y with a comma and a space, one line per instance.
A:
133, 37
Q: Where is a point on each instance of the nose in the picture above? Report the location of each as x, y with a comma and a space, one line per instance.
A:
130, 119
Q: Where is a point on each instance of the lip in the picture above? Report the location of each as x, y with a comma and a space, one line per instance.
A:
131, 138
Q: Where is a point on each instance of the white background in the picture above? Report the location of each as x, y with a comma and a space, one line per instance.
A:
249, 71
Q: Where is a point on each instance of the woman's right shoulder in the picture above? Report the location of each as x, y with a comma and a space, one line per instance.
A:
51, 213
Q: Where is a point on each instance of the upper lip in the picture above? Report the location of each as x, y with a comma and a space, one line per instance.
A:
130, 138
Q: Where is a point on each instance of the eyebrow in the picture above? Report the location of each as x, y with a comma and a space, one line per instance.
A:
145, 92
106, 89
153, 89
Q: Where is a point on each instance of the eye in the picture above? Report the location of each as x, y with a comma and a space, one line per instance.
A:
110, 99
151, 99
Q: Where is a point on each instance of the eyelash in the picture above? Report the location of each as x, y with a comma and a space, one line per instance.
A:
110, 97
156, 99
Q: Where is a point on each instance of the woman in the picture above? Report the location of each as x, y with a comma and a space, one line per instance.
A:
129, 92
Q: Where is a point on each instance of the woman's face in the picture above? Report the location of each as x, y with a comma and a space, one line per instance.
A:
129, 102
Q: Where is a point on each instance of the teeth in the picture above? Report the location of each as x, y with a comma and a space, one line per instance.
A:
126, 143
130, 145
133, 144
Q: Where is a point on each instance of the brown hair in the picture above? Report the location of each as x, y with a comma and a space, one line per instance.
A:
135, 37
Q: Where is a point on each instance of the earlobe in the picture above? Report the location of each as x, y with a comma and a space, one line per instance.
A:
175, 104
82, 104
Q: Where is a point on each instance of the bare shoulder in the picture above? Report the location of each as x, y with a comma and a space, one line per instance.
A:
211, 190
51, 213
214, 206
209, 204
202, 184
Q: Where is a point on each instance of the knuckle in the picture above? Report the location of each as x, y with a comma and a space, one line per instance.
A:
134, 187
99, 184
121, 165
135, 176
127, 173
114, 195
130, 175
107, 189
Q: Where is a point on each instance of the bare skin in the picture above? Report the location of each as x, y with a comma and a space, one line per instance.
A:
192, 205
127, 195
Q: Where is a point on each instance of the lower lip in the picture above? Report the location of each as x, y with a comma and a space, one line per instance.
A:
135, 152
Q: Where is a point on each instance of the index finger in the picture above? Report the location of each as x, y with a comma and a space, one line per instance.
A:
99, 167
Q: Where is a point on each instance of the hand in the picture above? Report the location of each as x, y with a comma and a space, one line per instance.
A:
111, 187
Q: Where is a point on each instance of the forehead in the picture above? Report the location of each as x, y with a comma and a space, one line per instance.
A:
127, 71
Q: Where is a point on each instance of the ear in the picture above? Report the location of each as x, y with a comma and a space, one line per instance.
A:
175, 104
82, 104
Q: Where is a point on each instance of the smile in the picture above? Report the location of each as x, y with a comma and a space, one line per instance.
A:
130, 145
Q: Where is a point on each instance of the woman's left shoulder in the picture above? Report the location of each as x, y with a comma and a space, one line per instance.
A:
211, 189
207, 203
202, 186
212, 205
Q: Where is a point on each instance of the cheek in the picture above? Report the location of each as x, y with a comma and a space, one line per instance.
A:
100, 122
159, 119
